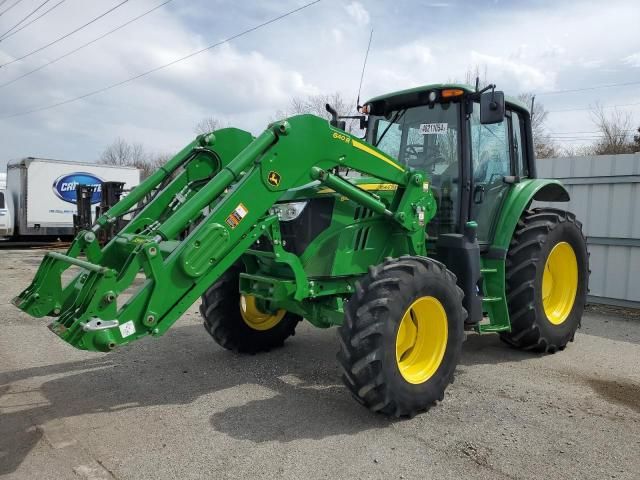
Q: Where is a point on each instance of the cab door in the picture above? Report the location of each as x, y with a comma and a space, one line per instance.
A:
493, 170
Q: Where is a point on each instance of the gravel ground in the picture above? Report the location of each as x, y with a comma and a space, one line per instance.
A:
181, 407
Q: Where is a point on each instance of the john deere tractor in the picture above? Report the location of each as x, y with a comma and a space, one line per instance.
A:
404, 239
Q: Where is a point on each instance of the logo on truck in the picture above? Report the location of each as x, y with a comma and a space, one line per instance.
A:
65, 186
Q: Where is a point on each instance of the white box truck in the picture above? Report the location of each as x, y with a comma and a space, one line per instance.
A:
41, 193
6, 222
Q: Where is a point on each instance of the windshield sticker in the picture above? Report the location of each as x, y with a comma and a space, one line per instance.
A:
433, 128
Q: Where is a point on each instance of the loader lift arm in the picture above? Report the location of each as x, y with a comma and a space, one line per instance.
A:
218, 191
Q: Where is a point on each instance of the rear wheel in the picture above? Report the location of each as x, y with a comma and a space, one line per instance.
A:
402, 336
547, 280
236, 321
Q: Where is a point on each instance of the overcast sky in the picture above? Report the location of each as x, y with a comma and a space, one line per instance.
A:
537, 46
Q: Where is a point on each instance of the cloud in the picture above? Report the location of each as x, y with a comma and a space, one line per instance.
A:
416, 51
633, 60
338, 36
358, 13
537, 46
526, 77
243, 85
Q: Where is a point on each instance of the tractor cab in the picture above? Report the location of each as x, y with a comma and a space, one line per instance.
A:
472, 144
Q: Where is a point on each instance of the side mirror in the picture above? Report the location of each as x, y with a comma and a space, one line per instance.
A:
491, 107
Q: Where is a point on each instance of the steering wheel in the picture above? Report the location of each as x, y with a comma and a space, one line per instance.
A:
412, 149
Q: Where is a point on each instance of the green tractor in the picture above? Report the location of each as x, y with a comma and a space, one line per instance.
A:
404, 239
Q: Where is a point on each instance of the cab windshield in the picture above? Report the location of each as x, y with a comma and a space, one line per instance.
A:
426, 137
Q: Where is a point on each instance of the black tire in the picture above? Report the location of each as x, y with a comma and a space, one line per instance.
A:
220, 310
538, 232
368, 335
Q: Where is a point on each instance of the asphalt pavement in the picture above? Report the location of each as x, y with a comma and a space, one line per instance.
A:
182, 407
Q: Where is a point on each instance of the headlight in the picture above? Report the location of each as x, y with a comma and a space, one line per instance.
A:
288, 211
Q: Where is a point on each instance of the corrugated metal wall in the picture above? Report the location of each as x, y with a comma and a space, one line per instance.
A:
605, 196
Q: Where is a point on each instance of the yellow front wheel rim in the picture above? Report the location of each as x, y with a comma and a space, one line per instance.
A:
254, 317
421, 340
559, 283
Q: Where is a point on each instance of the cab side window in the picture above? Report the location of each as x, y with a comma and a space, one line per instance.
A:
517, 126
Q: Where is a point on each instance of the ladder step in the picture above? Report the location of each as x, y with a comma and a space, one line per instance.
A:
491, 299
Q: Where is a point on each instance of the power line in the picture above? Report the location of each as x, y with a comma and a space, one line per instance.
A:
593, 131
30, 22
64, 36
594, 87
161, 67
32, 12
9, 7
590, 108
589, 140
593, 137
84, 45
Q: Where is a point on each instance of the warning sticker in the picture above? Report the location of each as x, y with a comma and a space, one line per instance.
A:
237, 215
127, 329
433, 128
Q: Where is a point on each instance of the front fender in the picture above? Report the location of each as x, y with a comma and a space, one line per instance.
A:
518, 199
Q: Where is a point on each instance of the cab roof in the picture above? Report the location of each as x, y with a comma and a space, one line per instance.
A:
441, 86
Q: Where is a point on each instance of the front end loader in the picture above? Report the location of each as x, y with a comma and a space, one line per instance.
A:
404, 239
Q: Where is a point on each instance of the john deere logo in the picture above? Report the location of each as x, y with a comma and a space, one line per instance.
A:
274, 178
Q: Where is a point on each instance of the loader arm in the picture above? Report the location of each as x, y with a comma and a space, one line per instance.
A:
208, 205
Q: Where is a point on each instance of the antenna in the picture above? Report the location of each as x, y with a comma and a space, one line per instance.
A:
364, 65
533, 99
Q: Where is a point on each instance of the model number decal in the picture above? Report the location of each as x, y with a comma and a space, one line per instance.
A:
340, 136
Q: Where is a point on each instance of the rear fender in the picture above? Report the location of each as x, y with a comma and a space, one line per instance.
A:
518, 199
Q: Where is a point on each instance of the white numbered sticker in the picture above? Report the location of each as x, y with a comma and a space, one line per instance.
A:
433, 128
127, 329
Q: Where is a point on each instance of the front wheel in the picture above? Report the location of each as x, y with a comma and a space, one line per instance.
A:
547, 280
402, 336
236, 321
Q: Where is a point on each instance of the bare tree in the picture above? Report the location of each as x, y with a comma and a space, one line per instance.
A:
208, 124
614, 129
477, 72
124, 154
575, 151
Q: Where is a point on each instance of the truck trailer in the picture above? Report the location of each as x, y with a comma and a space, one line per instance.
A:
40, 197
5, 219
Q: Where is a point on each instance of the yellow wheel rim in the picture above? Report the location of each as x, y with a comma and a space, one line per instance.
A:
421, 340
559, 283
255, 318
